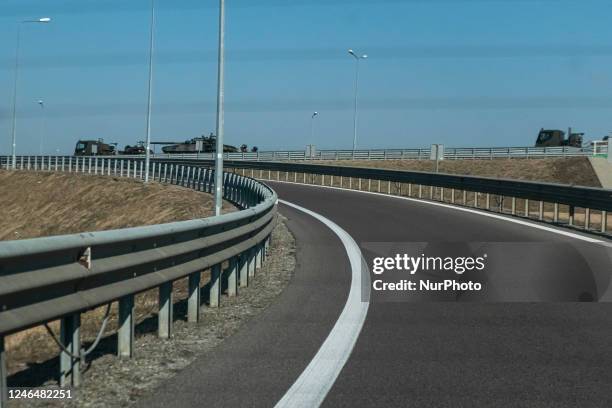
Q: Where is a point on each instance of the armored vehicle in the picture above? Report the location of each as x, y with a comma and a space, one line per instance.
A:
94, 148
556, 138
204, 144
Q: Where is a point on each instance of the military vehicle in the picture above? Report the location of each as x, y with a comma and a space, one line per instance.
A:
95, 148
556, 138
204, 144
139, 148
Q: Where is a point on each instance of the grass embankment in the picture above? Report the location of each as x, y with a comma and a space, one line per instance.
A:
36, 204
573, 170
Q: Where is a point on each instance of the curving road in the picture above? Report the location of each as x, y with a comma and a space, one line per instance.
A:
424, 350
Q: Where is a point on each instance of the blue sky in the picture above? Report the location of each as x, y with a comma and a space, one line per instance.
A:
463, 73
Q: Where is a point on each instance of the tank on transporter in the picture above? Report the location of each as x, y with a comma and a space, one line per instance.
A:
204, 144
138, 149
556, 138
95, 148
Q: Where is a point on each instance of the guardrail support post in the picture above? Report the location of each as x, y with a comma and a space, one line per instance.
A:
570, 220
125, 336
193, 301
513, 205
164, 324
3, 375
214, 299
587, 218
243, 260
251, 262
70, 367
527, 207
464, 197
556, 212
420, 191
258, 256
604, 221
541, 211
431, 192
232, 278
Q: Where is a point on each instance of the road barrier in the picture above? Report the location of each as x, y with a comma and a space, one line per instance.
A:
60, 277
450, 153
586, 208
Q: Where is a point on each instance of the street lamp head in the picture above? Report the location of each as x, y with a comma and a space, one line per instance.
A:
364, 56
44, 20
315, 114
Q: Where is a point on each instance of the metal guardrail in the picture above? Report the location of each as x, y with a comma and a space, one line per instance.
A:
60, 277
460, 153
472, 191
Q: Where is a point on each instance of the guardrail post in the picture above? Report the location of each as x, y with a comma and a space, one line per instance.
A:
244, 269
527, 207
476, 196
193, 302
570, 220
420, 191
125, 336
258, 256
70, 367
215, 286
464, 197
351, 183
556, 212
513, 206
251, 261
3, 375
232, 278
541, 211
604, 221
587, 218
164, 324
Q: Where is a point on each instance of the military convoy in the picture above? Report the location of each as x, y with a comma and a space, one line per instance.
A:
204, 144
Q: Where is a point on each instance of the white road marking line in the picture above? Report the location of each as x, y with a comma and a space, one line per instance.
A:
312, 386
465, 209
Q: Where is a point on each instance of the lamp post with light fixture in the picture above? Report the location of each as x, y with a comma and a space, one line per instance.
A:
357, 59
43, 20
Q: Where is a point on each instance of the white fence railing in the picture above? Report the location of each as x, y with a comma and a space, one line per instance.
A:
460, 153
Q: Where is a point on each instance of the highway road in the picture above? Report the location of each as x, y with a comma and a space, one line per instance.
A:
419, 350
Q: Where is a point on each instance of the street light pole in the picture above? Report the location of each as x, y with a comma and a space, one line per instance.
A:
220, 113
149, 98
42, 125
17, 49
357, 59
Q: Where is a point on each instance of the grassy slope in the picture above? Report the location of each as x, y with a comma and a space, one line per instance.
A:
575, 170
42, 204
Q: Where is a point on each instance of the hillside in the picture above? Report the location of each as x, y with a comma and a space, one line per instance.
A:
34, 204
574, 170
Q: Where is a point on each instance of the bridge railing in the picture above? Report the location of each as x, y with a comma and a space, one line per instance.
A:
450, 153
587, 208
60, 277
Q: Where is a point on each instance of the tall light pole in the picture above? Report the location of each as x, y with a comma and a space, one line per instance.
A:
149, 98
17, 49
42, 125
314, 115
357, 59
220, 114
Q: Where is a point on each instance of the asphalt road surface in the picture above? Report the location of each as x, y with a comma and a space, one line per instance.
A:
427, 350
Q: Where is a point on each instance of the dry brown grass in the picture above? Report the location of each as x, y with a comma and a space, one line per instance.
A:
34, 204
573, 170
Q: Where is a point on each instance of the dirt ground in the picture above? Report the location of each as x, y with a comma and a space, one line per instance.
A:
35, 204
573, 170
112, 382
